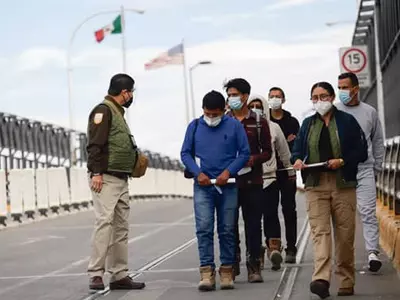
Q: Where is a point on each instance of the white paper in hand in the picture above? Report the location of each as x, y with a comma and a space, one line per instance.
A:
243, 171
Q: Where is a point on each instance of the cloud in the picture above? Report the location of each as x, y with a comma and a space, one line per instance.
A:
145, 4
219, 20
38, 85
284, 4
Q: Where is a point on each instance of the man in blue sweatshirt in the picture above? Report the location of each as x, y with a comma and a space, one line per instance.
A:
215, 147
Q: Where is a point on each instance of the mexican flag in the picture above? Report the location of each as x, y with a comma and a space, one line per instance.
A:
114, 28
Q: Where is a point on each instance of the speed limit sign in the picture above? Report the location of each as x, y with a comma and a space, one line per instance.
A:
355, 59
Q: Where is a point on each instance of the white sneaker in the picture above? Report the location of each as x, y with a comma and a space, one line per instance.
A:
374, 262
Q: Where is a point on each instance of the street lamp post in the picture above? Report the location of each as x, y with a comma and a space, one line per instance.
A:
203, 62
69, 69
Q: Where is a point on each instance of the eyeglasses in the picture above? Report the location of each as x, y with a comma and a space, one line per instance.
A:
322, 97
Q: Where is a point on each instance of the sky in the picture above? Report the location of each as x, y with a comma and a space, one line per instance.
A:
282, 43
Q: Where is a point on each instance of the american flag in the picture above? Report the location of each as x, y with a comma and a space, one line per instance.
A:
173, 56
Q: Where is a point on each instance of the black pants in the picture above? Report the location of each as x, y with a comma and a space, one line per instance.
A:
288, 190
270, 204
250, 200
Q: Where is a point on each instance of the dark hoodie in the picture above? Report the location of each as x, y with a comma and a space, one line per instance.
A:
288, 124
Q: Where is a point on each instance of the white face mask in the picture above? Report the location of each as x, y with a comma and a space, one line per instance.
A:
322, 107
275, 103
257, 111
213, 122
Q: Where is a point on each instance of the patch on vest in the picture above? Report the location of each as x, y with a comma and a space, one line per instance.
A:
98, 118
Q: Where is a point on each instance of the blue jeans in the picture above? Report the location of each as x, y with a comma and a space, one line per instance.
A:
206, 201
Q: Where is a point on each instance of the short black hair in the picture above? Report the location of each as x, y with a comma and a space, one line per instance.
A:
353, 78
275, 88
120, 82
240, 84
214, 100
325, 85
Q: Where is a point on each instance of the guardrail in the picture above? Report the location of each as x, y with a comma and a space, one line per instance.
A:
30, 192
388, 205
388, 183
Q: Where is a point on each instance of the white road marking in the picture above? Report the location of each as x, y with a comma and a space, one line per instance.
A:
85, 259
40, 239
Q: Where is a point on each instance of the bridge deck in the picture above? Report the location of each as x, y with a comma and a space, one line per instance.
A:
48, 260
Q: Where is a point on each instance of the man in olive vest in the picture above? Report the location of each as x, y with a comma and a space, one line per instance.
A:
111, 158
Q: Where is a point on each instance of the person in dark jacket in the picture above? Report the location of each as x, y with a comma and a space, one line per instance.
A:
335, 137
250, 180
286, 184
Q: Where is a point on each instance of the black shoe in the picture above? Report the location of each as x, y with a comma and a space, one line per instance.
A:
320, 288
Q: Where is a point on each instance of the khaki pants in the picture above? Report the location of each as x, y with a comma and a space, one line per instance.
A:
110, 236
326, 202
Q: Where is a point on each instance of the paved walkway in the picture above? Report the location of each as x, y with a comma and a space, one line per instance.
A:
48, 260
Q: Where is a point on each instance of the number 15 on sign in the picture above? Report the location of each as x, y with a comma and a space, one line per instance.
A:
355, 60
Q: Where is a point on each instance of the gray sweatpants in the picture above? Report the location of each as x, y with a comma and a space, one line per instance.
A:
366, 204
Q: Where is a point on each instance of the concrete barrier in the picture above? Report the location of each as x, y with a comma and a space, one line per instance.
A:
60, 189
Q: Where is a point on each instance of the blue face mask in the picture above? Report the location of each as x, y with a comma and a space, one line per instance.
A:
235, 103
344, 96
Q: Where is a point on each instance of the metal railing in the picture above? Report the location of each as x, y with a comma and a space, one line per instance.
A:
26, 143
388, 183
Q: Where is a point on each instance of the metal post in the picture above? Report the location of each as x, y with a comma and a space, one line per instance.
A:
123, 44
192, 91
379, 80
193, 104
185, 79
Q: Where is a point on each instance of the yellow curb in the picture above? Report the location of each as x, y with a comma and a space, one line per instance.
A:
389, 239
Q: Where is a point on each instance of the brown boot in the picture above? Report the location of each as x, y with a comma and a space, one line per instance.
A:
275, 256
346, 291
254, 272
262, 257
226, 277
207, 281
127, 283
96, 283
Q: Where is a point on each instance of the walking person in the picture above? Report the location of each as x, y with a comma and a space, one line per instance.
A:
287, 183
112, 156
368, 119
250, 181
270, 203
335, 137
215, 147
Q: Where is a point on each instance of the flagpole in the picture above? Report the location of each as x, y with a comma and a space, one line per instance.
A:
186, 83
123, 45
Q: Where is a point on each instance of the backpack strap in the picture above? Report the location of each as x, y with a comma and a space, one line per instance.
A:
196, 124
